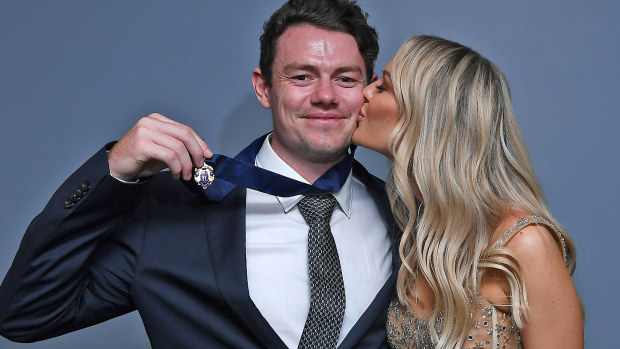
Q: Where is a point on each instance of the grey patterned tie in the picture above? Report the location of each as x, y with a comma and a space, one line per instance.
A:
327, 297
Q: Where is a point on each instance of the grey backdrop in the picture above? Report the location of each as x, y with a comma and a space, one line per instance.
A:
77, 74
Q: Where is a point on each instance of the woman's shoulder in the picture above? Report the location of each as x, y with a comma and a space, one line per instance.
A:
530, 240
552, 300
528, 236
534, 247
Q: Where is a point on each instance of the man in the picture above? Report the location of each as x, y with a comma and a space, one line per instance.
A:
231, 270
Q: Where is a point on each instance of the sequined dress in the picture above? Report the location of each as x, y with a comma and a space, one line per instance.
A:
489, 328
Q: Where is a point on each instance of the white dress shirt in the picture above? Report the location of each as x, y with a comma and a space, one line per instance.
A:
277, 257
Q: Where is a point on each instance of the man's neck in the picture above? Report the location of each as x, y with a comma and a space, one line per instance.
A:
311, 171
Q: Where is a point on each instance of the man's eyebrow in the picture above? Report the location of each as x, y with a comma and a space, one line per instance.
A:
297, 66
349, 68
310, 67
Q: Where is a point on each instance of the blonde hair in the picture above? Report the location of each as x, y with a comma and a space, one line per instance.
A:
458, 141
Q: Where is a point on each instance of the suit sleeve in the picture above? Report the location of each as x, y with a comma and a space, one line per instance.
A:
63, 277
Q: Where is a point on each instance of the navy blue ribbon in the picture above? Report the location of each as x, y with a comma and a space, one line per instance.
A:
240, 171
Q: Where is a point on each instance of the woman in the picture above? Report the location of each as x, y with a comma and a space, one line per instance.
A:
485, 265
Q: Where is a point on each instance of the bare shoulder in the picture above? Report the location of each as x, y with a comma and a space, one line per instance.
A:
535, 249
534, 244
554, 318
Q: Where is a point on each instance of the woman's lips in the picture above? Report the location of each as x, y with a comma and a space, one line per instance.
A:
360, 115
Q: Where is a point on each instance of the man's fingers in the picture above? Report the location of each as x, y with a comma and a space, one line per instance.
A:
166, 156
197, 148
162, 118
156, 142
179, 159
206, 151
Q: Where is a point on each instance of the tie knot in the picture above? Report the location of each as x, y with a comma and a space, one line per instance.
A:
313, 207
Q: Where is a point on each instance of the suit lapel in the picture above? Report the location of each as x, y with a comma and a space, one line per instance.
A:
225, 228
376, 188
377, 310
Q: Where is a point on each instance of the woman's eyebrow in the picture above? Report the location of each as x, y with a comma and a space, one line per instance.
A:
387, 73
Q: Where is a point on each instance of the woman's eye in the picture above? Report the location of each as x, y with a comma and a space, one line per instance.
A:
380, 87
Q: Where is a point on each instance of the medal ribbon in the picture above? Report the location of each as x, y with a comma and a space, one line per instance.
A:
241, 171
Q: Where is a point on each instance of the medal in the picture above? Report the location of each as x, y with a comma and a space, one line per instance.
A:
204, 176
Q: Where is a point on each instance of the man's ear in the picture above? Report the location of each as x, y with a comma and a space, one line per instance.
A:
374, 78
261, 88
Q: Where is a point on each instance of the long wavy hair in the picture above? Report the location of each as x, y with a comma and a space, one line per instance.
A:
459, 143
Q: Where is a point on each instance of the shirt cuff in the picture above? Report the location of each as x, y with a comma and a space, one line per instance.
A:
126, 182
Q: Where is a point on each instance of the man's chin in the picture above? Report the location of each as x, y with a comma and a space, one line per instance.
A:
327, 149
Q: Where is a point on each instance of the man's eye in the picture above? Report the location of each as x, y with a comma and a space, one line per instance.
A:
346, 81
300, 78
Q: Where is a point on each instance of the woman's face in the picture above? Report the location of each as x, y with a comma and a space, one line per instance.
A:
379, 115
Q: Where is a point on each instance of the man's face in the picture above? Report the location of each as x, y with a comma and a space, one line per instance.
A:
315, 95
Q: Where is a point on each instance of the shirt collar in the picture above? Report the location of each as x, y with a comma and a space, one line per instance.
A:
269, 160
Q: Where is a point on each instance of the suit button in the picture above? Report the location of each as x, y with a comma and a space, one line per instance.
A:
85, 186
79, 192
69, 203
75, 197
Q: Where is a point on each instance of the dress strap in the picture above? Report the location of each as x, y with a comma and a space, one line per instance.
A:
524, 222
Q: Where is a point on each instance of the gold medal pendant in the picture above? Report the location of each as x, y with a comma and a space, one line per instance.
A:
204, 176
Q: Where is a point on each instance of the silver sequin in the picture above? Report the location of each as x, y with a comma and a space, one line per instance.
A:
490, 328
406, 331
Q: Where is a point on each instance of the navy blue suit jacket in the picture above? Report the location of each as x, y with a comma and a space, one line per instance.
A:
159, 248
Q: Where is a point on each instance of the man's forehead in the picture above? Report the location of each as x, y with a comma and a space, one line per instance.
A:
313, 37
304, 43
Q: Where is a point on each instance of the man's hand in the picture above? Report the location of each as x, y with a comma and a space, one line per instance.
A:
154, 143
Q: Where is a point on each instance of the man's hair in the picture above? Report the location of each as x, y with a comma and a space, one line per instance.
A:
338, 15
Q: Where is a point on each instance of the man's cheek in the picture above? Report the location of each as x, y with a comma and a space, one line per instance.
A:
356, 98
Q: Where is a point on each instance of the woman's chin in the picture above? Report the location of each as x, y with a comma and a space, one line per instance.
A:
362, 142
357, 139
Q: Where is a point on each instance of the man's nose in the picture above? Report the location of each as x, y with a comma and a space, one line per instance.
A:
325, 92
